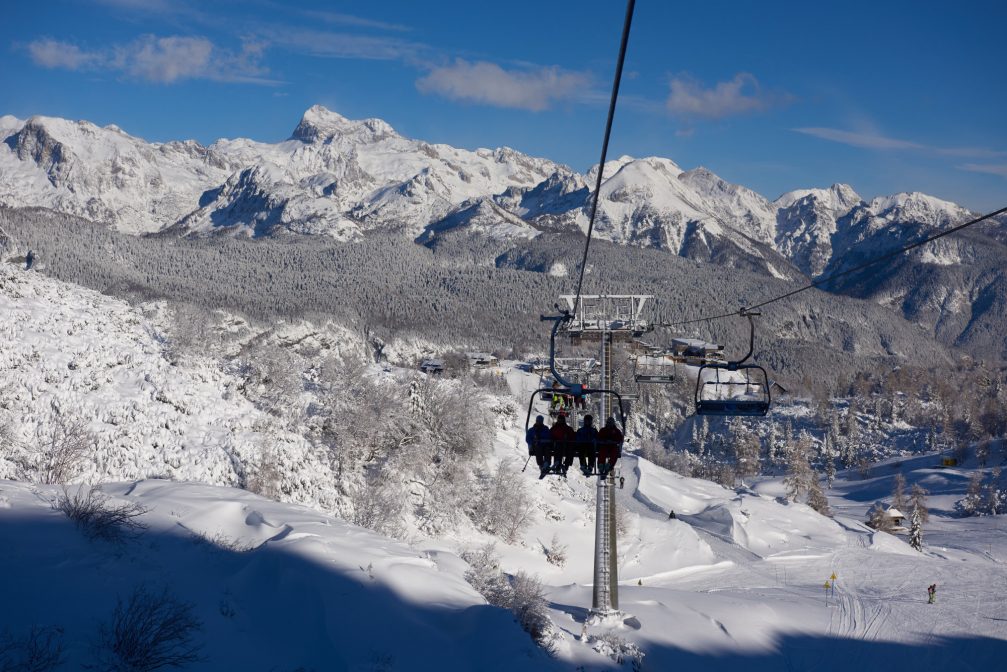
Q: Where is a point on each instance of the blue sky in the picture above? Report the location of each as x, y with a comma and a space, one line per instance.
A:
886, 96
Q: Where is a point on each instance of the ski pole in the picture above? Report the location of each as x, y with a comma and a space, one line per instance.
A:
526, 464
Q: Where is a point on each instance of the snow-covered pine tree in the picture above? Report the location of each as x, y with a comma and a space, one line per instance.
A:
746, 446
971, 503
918, 502
916, 531
983, 453
771, 441
829, 455
799, 473
932, 444
851, 429
700, 434
816, 497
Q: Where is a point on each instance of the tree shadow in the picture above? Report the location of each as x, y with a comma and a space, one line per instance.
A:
278, 606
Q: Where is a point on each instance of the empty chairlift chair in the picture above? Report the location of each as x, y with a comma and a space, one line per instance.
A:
734, 388
654, 369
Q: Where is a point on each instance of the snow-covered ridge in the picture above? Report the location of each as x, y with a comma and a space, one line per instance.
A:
334, 177
340, 177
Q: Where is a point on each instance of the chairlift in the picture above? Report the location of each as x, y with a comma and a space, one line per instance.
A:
655, 368
736, 388
576, 392
594, 450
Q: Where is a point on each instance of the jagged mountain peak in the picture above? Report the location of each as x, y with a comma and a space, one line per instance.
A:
918, 207
838, 197
611, 168
320, 124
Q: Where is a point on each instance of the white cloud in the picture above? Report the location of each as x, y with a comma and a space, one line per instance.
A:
865, 140
992, 169
489, 84
881, 142
54, 54
163, 60
351, 20
166, 59
343, 45
740, 95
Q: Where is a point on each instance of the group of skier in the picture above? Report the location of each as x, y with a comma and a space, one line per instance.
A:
554, 448
561, 401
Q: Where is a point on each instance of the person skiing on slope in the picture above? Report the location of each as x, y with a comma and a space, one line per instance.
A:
563, 438
932, 593
609, 447
587, 445
537, 438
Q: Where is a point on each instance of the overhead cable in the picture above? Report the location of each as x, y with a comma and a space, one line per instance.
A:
821, 281
604, 145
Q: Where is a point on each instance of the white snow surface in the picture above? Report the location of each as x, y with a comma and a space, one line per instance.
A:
274, 586
735, 581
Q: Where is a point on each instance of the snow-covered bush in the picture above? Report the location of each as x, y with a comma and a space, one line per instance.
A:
484, 574
38, 650
522, 594
92, 512
983, 498
61, 446
502, 505
149, 631
555, 552
619, 650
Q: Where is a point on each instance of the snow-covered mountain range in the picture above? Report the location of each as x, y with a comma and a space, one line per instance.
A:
341, 178
345, 179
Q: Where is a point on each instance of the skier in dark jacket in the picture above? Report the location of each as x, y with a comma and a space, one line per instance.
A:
587, 445
609, 447
563, 438
537, 438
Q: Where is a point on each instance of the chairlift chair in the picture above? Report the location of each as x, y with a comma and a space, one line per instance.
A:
575, 391
726, 395
549, 447
653, 369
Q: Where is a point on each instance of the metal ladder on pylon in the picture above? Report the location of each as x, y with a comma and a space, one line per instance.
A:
606, 574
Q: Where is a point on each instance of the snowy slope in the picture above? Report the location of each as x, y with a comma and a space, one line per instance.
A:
736, 580
71, 351
274, 586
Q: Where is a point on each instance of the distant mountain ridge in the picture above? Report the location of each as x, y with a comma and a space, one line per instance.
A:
344, 179
340, 177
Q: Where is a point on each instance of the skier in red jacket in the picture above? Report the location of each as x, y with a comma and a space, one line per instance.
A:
563, 446
609, 447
